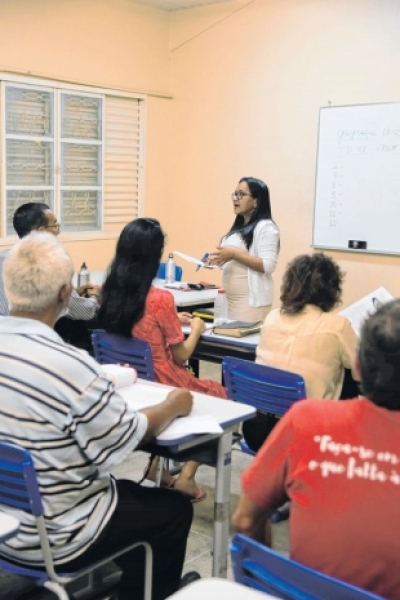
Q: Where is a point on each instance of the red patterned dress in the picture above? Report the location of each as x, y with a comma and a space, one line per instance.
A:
160, 327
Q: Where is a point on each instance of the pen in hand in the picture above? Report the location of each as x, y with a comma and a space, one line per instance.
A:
207, 254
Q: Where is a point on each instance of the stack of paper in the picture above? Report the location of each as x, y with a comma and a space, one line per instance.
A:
121, 376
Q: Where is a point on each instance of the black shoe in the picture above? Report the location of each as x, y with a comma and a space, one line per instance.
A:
282, 514
189, 578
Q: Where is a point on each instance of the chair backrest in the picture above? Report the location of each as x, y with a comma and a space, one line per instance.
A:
261, 568
18, 484
266, 388
110, 348
161, 272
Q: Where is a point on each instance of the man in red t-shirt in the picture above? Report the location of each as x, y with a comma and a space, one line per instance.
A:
339, 465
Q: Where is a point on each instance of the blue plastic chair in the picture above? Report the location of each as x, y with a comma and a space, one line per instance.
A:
259, 567
266, 388
161, 272
110, 348
19, 490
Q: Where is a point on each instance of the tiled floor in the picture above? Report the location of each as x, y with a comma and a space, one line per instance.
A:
198, 556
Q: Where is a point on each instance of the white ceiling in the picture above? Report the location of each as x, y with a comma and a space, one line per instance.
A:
177, 4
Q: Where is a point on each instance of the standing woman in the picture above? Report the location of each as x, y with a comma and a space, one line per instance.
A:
248, 253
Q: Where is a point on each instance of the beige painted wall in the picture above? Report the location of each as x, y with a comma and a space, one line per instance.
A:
108, 43
247, 93
248, 79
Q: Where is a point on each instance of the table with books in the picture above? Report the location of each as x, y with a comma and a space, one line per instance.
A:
186, 297
213, 345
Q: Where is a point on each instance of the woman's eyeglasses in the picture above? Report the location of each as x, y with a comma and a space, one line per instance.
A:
239, 195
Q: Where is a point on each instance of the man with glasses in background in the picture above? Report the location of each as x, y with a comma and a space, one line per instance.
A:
83, 304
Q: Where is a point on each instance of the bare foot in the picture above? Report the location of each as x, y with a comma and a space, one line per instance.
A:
167, 480
187, 486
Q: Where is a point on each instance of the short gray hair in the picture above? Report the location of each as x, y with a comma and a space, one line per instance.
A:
34, 271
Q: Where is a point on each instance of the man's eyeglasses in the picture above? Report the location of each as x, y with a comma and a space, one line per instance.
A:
239, 195
56, 225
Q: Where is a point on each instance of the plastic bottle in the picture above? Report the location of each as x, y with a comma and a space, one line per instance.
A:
170, 269
83, 275
220, 308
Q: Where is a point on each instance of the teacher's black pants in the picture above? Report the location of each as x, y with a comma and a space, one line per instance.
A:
160, 517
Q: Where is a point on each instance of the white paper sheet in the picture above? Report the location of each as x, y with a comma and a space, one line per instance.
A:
186, 329
121, 376
143, 396
191, 424
195, 261
357, 313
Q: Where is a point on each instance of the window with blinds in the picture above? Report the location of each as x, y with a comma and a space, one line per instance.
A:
79, 153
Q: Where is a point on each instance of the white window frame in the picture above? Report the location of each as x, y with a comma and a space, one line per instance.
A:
53, 86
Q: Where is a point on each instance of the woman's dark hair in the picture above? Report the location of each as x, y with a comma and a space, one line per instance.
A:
259, 190
30, 216
137, 258
379, 356
311, 279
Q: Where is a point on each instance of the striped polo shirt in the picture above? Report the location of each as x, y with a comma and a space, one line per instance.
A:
57, 402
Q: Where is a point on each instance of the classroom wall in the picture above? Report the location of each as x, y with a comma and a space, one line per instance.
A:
248, 80
108, 43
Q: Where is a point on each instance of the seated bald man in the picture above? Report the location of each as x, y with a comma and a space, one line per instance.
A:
59, 404
339, 464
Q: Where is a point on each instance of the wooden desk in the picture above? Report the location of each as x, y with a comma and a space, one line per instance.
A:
213, 588
211, 449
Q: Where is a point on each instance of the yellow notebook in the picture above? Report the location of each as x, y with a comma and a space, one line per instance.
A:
204, 313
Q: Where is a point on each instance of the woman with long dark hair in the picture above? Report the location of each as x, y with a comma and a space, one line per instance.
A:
248, 252
131, 306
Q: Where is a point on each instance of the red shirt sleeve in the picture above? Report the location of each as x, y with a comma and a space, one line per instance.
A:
265, 480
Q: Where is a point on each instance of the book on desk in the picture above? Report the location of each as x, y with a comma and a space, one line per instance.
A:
237, 328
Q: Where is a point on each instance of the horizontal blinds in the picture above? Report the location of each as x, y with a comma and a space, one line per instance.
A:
79, 153
121, 162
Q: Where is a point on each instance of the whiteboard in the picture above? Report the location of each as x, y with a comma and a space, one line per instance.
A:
357, 191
